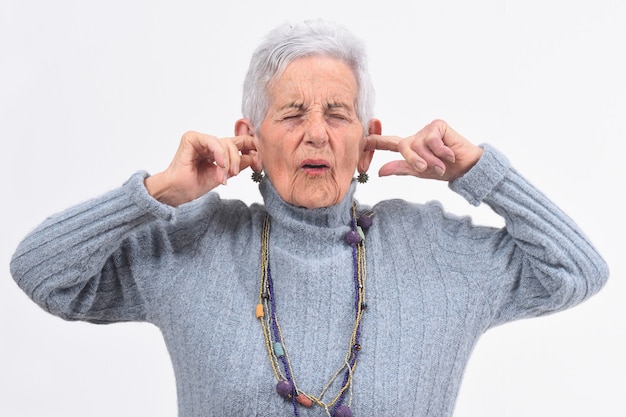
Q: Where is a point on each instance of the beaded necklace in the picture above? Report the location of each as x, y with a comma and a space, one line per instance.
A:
287, 386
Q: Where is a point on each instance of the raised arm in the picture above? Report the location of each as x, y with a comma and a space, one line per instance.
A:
84, 263
538, 263
74, 264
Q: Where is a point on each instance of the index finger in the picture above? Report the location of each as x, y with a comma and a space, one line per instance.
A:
245, 143
383, 143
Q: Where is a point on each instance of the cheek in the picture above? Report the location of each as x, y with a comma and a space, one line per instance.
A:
275, 162
276, 157
266, 152
351, 155
272, 151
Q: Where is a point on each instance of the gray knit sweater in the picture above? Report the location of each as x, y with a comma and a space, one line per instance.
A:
435, 283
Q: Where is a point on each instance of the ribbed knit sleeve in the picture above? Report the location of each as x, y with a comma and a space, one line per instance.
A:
73, 265
541, 261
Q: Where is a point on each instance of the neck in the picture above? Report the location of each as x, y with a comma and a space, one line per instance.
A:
313, 233
325, 217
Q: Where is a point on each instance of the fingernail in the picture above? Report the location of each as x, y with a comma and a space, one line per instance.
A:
438, 170
420, 166
451, 159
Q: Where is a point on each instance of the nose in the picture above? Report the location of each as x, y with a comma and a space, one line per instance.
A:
316, 132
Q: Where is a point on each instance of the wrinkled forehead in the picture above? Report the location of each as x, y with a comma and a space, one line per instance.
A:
328, 81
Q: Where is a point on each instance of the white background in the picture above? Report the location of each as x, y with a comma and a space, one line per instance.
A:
92, 91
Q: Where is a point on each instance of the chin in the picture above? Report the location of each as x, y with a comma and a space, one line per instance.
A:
316, 196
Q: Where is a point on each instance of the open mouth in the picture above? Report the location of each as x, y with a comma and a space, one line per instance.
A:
315, 166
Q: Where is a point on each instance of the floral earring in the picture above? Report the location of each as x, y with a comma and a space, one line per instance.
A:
257, 176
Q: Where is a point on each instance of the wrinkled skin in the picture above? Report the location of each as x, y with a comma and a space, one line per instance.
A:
310, 144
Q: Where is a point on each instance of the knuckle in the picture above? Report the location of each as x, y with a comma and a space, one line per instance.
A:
437, 123
189, 134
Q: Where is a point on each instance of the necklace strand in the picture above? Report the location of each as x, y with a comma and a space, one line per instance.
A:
287, 386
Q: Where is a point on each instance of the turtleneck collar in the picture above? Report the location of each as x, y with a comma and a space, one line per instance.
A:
326, 217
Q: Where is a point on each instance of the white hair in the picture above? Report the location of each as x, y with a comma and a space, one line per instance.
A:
289, 42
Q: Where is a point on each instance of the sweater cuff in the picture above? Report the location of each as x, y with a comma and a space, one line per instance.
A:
481, 179
135, 189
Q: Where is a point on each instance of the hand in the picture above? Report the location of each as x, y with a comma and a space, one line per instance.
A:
202, 162
435, 152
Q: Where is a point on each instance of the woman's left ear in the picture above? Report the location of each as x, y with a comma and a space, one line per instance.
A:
366, 155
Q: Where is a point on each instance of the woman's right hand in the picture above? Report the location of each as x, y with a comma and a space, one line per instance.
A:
202, 162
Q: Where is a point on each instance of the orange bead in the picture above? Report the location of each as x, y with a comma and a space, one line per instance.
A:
304, 400
259, 311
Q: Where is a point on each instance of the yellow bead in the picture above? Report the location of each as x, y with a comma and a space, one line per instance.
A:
259, 311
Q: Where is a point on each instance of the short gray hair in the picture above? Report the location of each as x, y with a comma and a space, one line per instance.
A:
288, 42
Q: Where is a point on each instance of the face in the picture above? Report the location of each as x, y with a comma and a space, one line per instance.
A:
311, 138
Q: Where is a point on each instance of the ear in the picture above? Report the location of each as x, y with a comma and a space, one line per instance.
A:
365, 157
244, 127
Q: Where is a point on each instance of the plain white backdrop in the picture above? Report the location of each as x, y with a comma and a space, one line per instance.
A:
90, 92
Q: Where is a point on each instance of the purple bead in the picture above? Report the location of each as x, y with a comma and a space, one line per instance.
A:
364, 221
284, 389
343, 411
353, 237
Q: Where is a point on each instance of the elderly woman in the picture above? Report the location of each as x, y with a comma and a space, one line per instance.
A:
311, 303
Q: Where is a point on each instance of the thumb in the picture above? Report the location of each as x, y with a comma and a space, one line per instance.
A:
399, 167
251, 159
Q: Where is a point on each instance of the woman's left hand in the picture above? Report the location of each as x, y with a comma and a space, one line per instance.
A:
435, 152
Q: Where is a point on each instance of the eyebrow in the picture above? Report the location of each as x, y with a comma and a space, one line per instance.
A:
337, 105
327, 106
293, 105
